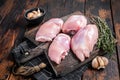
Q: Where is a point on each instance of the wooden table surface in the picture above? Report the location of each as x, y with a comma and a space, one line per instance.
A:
13, 27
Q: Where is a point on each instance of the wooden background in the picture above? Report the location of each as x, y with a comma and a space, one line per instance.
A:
13, 26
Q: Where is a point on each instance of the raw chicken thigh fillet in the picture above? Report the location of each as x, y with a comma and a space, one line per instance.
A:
84, 40
59, 48
74, 23
49, 30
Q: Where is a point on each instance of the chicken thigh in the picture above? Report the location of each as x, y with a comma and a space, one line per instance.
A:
59, 48
74, 23
49, 30
83, 41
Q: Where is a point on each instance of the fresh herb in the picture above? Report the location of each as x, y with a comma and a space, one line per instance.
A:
106, 40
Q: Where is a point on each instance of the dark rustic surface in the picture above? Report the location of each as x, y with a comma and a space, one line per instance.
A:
13, 26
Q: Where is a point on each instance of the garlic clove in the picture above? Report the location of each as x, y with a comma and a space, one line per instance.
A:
34, 16
39, 14
38, 10
101, 62
105, 61
95, 63
30, 15
35, 12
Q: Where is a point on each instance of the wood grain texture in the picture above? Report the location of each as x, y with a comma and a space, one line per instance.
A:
11, 27
116, 19
10, 35
21, 24
102, 8
5, 9
59, 8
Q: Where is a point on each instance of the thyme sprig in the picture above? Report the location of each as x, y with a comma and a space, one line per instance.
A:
106, 40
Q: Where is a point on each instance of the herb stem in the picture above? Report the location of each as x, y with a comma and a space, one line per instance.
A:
106, 41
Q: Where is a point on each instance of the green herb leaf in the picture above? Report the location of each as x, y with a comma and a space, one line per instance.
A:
106, 40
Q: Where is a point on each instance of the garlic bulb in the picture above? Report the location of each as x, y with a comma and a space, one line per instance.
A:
99, 62
34, 14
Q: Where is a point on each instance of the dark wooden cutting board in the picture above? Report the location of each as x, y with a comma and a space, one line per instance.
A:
70, 63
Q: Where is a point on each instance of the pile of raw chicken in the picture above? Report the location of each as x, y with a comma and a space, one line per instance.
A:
84, 37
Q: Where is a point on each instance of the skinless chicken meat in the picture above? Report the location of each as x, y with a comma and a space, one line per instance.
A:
74, 23
59, 48
83, 41
49, 30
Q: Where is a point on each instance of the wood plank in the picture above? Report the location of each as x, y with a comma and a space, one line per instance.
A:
116, 19
8, 33
59, 8
9, 21
9, 37
21, 24
5, 9
13, 77
102, 8
5, 61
